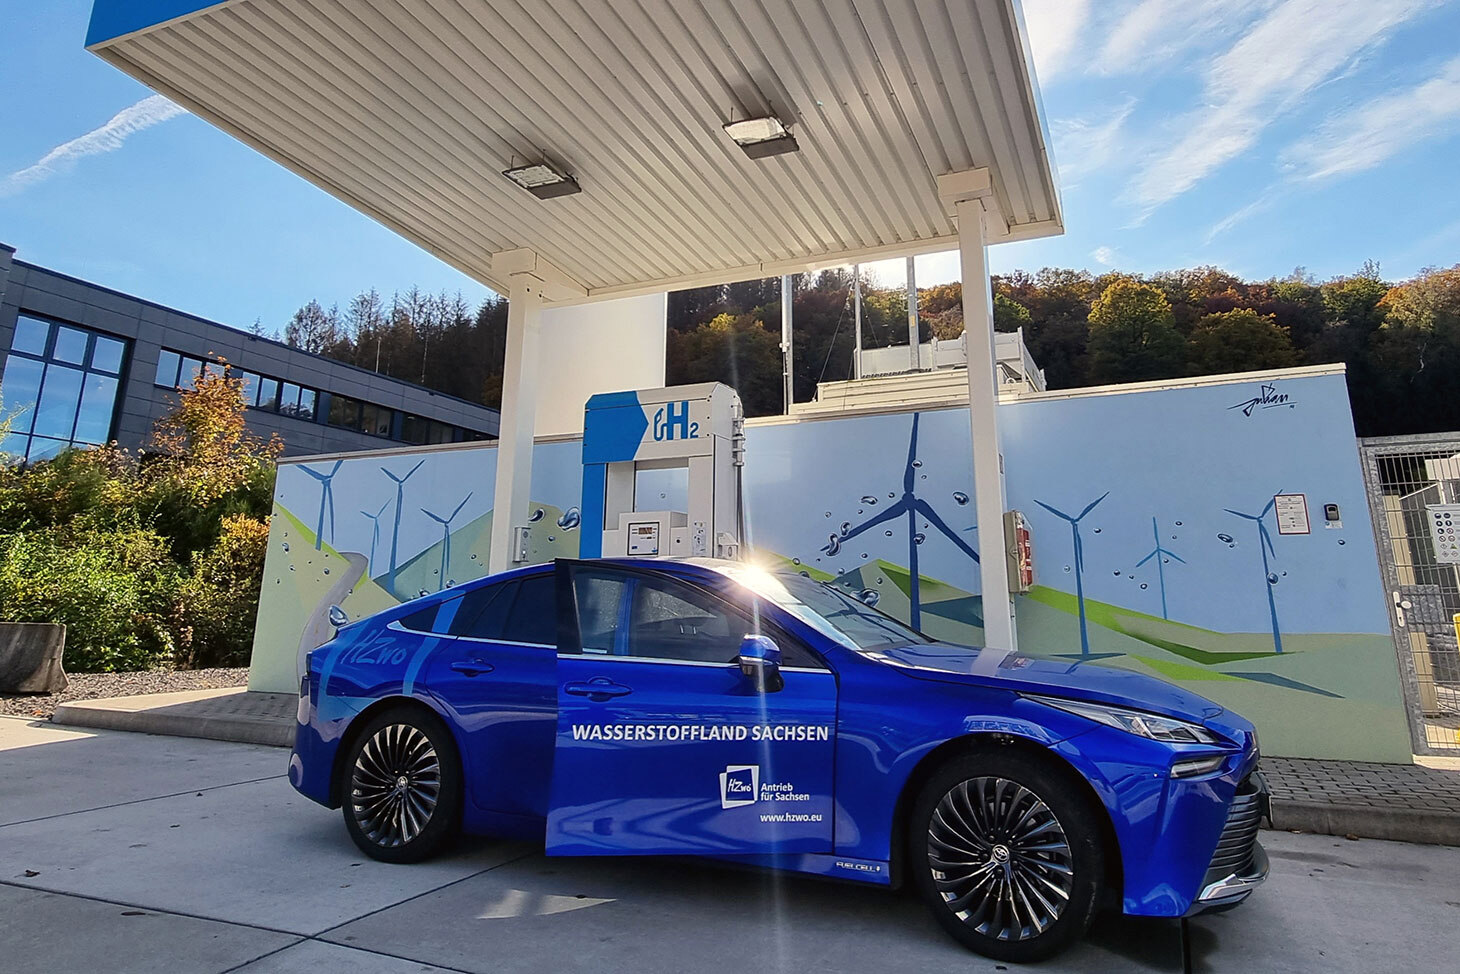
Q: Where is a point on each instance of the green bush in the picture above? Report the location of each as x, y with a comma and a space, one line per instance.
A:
113, 590
219, 600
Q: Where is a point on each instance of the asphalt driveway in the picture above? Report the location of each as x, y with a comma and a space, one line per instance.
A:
127, 852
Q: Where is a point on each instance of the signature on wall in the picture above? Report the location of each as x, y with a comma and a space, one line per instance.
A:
1267, 397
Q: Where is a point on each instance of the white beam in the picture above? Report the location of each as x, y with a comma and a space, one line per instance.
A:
857, 314
915, 362
519, 413
983, 392
788, 376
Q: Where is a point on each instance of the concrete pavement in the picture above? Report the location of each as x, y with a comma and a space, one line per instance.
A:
123, 852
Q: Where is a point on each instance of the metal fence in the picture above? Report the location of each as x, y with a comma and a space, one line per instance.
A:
1410, 479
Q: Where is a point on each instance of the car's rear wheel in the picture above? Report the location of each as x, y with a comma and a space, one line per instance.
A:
1006, 852
402, 787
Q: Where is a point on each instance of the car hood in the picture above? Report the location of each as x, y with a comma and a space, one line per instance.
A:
1060, 677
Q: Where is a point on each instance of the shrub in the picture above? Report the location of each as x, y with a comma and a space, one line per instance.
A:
214, 622
112, 589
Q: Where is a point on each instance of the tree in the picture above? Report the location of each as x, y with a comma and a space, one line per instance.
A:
1430, 302
1132, 335
1238, 341
1010, 315
735, 349
312, 329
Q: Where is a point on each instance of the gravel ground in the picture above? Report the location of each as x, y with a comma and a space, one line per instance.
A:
93, 686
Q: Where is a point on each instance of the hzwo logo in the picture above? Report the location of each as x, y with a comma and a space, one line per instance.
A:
672, 417
739, 785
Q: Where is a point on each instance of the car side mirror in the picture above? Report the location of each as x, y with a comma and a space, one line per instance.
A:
338, 619
760, 661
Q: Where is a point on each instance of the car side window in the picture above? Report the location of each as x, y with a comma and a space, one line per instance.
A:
422, 620
483, 612
533, 617
668, 620
599, 597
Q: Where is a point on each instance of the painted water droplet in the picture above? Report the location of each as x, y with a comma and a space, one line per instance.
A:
436, 571
890, 495
859, 510
832, 546
827, 514
1165, 561
286, 546
291, 568
805, 574
536, 515
887, 533
451, 583
571, 518
868, 499
917, 463
422, 594
1173, 537
1285, 574
662, 495
551, 539
960, 498
880, 580
845, 529
473, 557
1272, 578
924, 477
919, 538
1341, 541
1144, 585
1117, 571
1232, 545
1067, 568
870, 596
864, 554
1225, 538
326, 571
1178, 524
795, 561
1097, 530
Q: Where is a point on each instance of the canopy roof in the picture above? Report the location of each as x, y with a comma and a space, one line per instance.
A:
409, 110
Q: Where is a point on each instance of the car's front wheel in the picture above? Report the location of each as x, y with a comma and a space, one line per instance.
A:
402, 786
1006, 851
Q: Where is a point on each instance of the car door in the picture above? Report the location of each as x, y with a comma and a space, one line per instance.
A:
494, 674
663, 745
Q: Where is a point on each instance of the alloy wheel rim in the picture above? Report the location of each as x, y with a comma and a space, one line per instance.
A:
1000, 858
395, 785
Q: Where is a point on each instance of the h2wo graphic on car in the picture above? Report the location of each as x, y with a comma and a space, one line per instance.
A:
711, 708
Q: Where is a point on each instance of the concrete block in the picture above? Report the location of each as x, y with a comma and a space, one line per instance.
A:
30, 657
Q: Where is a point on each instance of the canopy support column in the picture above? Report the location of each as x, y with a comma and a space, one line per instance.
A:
983, 401
915, 360
788, 365
519, 414
857, 314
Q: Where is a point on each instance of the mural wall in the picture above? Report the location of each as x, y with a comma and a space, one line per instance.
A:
1161, 543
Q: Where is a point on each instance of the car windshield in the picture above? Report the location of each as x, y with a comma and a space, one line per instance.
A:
832, 612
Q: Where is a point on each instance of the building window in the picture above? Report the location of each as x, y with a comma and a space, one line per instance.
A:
60, 385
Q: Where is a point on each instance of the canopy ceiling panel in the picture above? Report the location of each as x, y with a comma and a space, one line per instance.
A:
410, 110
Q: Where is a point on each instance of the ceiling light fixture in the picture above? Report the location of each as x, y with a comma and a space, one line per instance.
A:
762, 137
543, 181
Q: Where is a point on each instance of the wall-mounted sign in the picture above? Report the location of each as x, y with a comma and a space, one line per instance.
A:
1292, 513
1444, 520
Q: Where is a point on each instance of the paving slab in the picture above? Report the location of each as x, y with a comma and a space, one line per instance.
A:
230, 714
51, 932
312, 957
1405, 802
255, 853
48, 770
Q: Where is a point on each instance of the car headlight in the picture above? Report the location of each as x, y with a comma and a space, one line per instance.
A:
1152, 726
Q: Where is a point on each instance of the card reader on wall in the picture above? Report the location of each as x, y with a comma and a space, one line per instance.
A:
645, 534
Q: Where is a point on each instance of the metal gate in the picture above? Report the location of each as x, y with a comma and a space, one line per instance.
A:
1410, 480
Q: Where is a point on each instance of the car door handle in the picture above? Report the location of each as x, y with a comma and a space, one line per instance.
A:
474, 667
598, 689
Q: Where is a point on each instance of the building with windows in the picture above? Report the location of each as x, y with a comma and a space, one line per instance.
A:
81, 365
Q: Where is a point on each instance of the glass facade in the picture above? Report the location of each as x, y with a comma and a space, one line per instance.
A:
178, 371
59, 388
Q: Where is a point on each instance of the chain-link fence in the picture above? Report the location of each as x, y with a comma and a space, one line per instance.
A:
1412, 482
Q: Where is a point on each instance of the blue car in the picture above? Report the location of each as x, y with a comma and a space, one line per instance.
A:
716, 709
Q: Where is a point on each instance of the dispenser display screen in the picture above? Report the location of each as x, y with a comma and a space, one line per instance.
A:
643, 538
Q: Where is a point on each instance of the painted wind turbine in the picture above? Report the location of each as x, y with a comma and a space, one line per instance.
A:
375, 528
1159, 553
911, 506
326, 502
1079, 562
445, 523
400, 494
1269, 580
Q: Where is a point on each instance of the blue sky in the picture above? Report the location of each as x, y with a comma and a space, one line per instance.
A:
1257, 135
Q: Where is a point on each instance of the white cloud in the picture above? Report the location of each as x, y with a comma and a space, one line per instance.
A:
1367, 135
1083, 146
1105, 255
108, 138
1153, 32
1055, 27
1294, 48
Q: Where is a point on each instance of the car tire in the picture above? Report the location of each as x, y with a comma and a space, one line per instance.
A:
401, 786
1006, 851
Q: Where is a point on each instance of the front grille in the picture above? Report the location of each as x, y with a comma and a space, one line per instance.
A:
1234, 848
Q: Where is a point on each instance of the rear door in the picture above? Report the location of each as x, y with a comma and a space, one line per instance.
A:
663, 746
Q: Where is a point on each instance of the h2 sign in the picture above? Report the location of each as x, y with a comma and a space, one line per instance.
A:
671, 421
